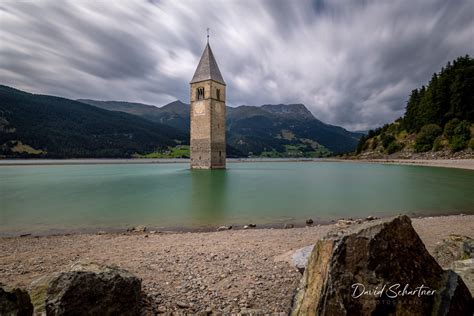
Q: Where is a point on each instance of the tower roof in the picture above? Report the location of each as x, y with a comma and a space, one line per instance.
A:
207, 68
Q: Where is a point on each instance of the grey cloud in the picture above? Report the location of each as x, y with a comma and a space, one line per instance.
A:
352, 63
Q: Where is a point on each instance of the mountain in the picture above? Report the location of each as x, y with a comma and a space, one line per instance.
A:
270, 129
46, 126
276, 127
363, 131
175, 114
289, 110
438, 117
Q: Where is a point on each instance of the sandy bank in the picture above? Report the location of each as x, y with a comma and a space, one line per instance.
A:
226, 271
446, 163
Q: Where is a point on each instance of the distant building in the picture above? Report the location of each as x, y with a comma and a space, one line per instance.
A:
208, 114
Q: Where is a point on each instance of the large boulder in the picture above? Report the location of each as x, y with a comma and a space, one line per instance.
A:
14, 302
378, 268
87, 289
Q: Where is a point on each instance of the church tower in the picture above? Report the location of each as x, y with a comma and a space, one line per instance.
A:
208, 142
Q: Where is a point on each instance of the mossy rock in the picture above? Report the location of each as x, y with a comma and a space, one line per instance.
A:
452, 248
37, 291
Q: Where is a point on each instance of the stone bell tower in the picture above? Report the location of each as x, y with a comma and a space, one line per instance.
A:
208, 142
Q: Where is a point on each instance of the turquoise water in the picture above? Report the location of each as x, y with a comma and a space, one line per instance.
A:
87, 197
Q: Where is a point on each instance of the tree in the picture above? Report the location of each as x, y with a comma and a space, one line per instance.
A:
393, 147
461, 136
361, 144
426, 137
386, 139
450, 127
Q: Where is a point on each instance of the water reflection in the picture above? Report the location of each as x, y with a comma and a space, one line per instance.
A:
209, 196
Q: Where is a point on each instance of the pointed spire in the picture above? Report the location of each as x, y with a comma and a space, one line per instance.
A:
207, 68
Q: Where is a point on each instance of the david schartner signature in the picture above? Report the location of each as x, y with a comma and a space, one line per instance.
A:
391, 290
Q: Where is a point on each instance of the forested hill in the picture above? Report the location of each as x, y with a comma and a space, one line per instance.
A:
438, 117
47, 126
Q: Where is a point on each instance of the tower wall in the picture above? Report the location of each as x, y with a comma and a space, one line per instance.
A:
208, 140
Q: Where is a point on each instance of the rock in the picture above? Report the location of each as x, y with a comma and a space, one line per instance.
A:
300, 257
343, 223
221, 228
454, 247
246, 227
182, 305
465, 269
309, 221
88, 289
101, 232
287, 226
251, 294
371, 218
137, 229
161, 309
254, 312
15, 301
383, 255
252, 225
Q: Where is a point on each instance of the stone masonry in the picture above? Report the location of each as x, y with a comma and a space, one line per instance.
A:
208, 141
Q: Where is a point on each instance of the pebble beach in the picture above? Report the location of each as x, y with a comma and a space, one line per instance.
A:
226, 271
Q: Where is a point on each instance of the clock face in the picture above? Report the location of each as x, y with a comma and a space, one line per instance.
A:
199, 108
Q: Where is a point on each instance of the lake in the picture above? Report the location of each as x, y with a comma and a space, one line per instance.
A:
59, 198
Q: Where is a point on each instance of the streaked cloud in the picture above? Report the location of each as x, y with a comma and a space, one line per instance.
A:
352, 63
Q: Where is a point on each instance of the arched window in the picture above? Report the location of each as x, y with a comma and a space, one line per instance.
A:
200, 93
218, 94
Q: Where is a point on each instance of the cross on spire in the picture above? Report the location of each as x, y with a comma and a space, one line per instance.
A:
208, 35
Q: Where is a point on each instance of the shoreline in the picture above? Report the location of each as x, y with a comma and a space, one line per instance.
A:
466, 164
224, 271
133, 161
178, 230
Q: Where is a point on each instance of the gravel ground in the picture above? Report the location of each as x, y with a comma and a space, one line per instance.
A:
226, 271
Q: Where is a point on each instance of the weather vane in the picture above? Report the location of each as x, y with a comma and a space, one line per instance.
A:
208, 35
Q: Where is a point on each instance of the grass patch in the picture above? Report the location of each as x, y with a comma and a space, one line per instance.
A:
24, 148
298, 151
286, 134
180, 151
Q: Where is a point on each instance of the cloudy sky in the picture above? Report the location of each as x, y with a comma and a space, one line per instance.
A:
352, 63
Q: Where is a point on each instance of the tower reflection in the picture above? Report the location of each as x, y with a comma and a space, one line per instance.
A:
209, 197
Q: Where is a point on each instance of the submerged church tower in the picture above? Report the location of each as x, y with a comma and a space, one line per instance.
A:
208, 114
